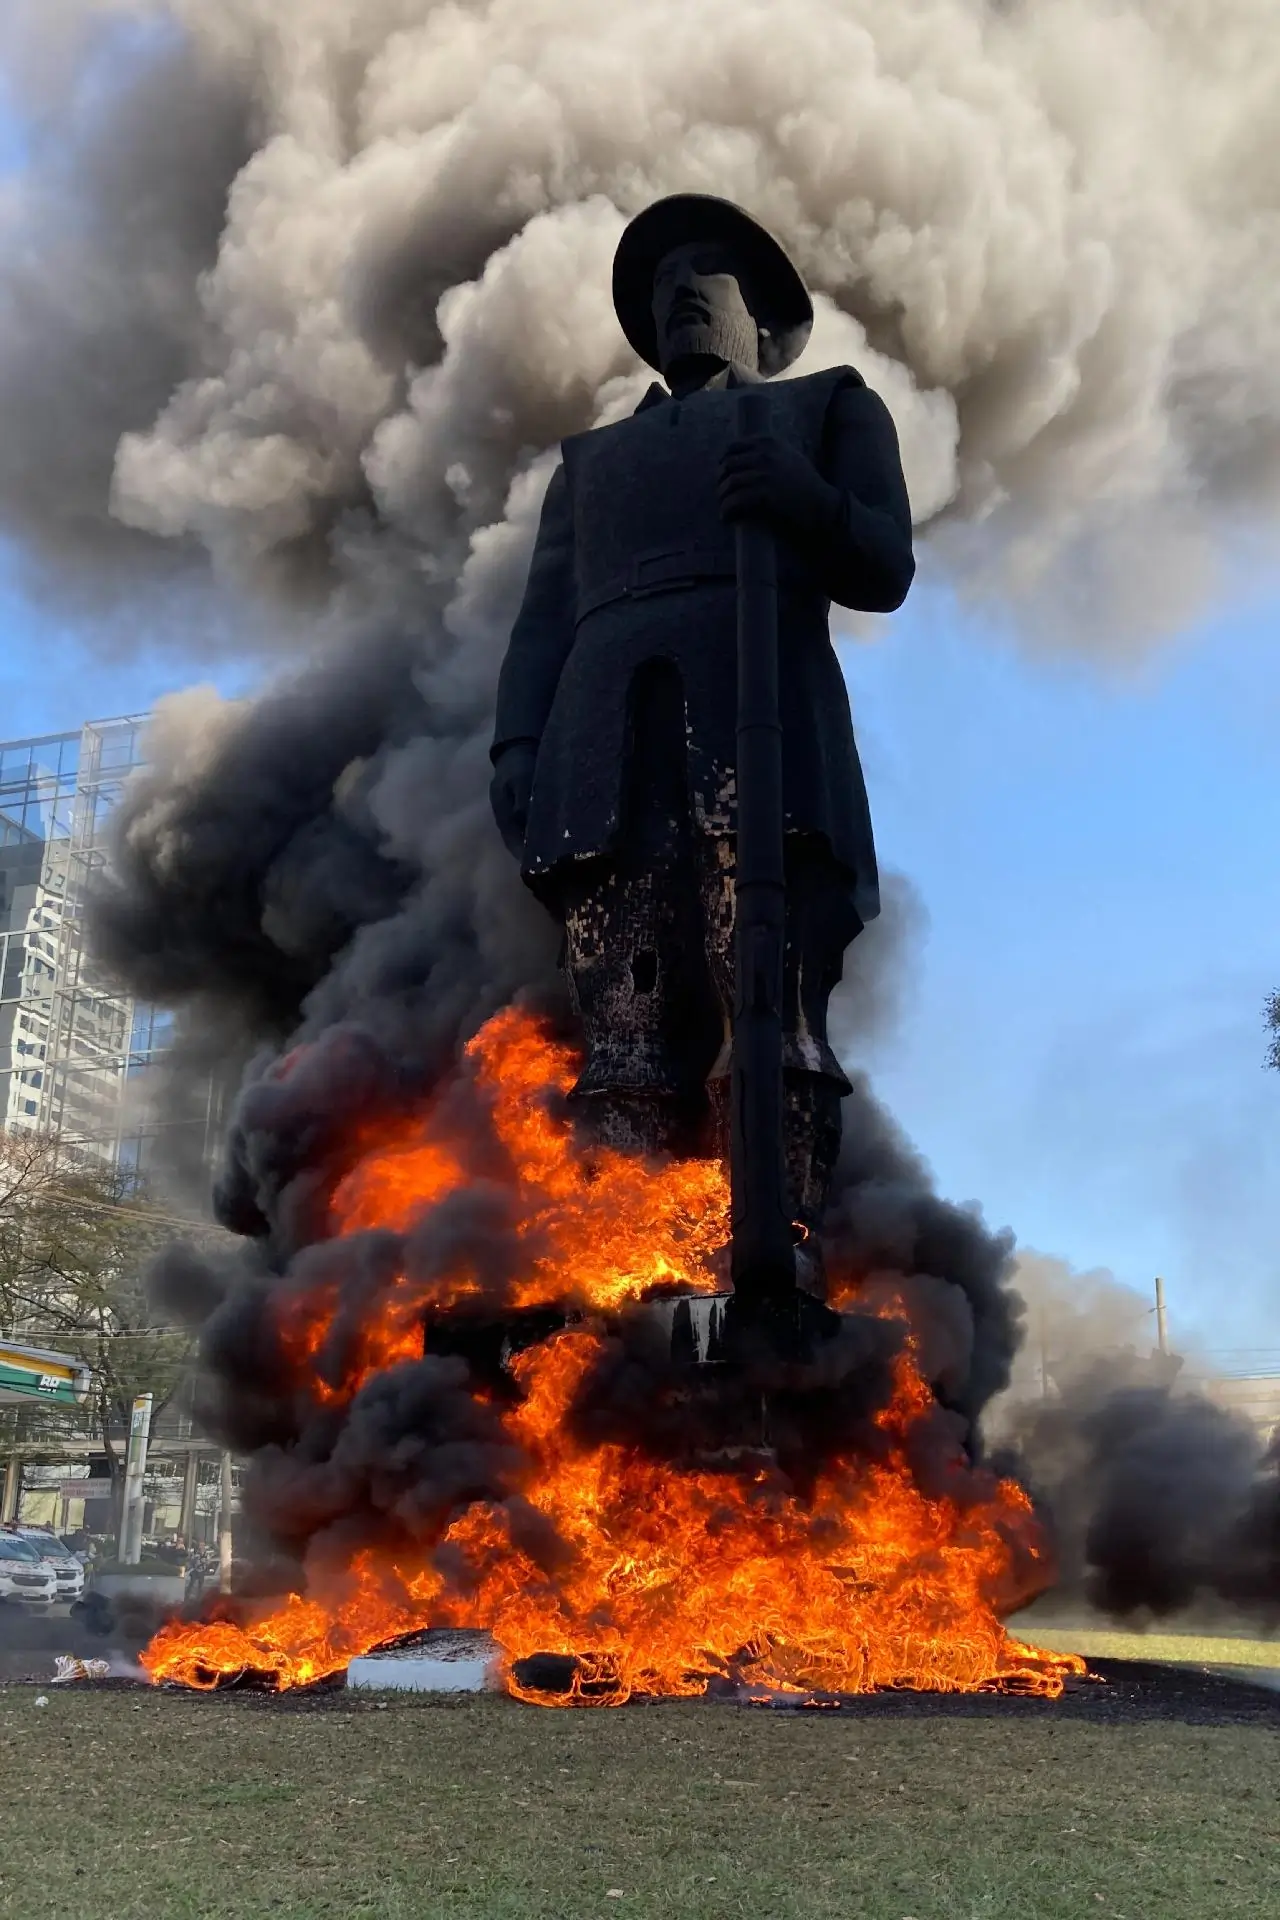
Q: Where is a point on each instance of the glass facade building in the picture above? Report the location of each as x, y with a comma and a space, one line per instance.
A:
74, 1047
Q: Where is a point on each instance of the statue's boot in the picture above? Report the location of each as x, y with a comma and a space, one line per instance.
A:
812, 1146
821, 923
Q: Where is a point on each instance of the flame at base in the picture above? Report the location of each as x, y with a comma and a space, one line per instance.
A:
671, 1580
656, 1578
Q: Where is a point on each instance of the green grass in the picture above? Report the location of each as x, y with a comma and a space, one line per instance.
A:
175, 1807
1170, 1649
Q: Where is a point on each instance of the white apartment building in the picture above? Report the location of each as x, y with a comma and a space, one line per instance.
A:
73, 1045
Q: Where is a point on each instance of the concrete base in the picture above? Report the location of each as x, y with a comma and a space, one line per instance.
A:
442, 1660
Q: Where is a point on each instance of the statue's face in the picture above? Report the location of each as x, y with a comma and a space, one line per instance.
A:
700, 309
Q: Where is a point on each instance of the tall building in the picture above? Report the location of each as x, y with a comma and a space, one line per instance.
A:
73, 1045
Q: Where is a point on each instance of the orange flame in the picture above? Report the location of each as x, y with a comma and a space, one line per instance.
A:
668, 1577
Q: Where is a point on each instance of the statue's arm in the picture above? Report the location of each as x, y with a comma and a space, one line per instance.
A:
862, 545
543, 632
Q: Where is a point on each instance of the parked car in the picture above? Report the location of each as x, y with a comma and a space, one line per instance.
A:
67, 1566
25, 1579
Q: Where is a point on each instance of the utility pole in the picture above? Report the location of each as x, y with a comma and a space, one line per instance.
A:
135, 1467
190, 1480
1162, 1324
224, 1526
12, 1489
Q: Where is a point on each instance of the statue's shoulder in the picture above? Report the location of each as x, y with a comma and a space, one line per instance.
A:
808, 400
809, 397
828, 380
604, 430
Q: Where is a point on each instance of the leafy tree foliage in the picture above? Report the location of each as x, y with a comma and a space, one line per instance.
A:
75, 1241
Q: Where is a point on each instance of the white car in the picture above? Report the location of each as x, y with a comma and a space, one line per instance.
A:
25, 1579
67, 1569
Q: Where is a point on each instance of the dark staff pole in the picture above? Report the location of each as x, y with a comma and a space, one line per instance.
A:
762, 1259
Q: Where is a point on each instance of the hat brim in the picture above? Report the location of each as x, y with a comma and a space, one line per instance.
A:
682, 219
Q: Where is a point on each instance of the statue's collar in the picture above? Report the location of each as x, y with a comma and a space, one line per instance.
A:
733, 376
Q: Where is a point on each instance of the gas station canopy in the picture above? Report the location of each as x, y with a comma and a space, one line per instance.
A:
31, 1374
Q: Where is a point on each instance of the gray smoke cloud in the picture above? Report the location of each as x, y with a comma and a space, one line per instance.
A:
870, 1000
301, 274
1164, 1501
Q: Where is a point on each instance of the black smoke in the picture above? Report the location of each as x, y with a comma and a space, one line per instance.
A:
1162, 1502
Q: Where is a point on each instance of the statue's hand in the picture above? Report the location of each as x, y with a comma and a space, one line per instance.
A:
511, 790
763, 478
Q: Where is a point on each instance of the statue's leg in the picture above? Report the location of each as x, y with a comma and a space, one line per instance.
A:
634, 950
716, 875
623, 948
821, 922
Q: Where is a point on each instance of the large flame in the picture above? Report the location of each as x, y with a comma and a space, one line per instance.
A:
664, 1575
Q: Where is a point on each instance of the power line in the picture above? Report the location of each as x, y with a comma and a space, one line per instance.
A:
20, 1337
71, 1205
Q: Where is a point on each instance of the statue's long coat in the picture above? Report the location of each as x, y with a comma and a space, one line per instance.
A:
633, 563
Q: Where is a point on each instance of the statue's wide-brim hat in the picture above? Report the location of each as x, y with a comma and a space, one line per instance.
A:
683, 219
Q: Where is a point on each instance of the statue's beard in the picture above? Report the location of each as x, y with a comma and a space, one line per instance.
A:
731, 338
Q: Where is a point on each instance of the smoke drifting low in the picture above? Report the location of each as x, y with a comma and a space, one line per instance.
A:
1162, 1501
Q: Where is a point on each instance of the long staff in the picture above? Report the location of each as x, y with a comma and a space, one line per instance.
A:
763, 1263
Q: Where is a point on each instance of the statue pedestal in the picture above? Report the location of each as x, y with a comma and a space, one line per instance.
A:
441, 1660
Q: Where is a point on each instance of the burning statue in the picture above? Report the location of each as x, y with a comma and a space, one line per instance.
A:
649, 637
479, 1347
332, 359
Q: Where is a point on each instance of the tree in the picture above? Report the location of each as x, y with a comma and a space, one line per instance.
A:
75, 1241
1271, 1013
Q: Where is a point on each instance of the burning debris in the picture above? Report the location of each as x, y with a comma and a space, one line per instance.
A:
552, 1469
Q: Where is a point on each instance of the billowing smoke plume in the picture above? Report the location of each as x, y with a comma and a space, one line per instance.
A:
305, 298
319, 866
292, 281
1162, 1500
293, 311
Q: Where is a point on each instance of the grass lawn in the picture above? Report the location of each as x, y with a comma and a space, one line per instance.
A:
169, 1806
1176, 1649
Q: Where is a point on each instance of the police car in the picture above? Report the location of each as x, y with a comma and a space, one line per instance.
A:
67, 1570
25, 1579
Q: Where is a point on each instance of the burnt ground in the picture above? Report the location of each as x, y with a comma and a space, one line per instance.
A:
1116, 1692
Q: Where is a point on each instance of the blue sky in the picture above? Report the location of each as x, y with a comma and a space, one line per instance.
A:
1081, 1045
